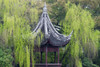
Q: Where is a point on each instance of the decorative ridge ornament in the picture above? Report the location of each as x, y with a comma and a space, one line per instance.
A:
51, 35
45, 8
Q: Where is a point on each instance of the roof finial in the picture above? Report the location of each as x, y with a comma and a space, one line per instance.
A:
44, 4
45, 8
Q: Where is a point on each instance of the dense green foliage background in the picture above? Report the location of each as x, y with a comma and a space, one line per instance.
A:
18, 18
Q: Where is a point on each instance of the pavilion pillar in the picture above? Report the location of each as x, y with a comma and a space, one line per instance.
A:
46, 55
58, 55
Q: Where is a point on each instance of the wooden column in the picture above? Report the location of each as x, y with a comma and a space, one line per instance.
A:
46, 55
58, 55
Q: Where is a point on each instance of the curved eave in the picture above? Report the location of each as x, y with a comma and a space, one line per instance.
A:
59, 42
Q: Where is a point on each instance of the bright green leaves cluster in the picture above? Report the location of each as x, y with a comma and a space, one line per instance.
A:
27, 57
15, 31
84, 41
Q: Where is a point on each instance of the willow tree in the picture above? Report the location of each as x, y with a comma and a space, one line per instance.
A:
84, 41
18, 18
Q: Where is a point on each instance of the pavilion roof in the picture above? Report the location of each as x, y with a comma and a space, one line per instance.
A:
51, 35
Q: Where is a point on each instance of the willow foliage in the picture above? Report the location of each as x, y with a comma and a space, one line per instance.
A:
84, 41
15, 30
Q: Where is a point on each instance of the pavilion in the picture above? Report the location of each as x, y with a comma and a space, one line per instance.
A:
52, 40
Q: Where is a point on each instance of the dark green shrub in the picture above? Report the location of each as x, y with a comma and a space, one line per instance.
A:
88, 63
6, 58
